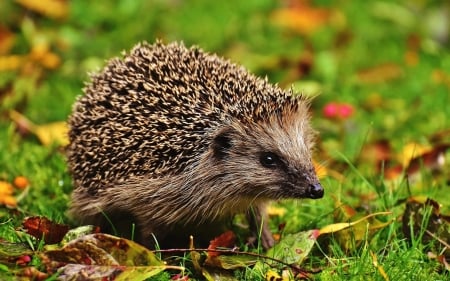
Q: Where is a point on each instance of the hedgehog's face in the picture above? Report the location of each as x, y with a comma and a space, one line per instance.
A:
268, 160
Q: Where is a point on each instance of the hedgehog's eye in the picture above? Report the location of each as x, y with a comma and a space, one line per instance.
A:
269, 159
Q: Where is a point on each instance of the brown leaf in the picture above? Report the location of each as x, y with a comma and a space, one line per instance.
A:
419, 209
103, 256
42, 227
431, 159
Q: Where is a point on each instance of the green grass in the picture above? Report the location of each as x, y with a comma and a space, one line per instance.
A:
410, 108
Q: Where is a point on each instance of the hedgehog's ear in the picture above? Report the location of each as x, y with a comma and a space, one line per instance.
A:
222, 142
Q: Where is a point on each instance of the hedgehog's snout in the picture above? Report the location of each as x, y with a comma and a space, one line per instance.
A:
315, 191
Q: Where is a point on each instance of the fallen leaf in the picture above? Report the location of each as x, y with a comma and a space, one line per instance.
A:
294, 248
229, 262
411, 151
103, 256
41, 227
56, 132
78, 232
332, 228
103, 249
352, 233
102, 272
11, 252
225, 240
424, 212
431, 159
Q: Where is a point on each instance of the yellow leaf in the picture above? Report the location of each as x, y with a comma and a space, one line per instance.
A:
331, 228
56, 132
57, 9
411, 151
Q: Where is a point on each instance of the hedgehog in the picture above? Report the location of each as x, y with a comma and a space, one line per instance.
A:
176, 141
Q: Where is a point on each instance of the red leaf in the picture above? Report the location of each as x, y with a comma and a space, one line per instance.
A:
41, 227
225, 240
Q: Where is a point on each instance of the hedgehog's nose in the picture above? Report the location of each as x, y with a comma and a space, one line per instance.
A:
316, 191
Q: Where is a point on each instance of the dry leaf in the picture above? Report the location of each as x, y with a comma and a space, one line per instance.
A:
437, 225
56, 132
41, 227
225, 240
411, 151
335, 227
430, 159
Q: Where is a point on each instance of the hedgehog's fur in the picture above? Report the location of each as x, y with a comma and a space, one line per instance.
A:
170, 137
